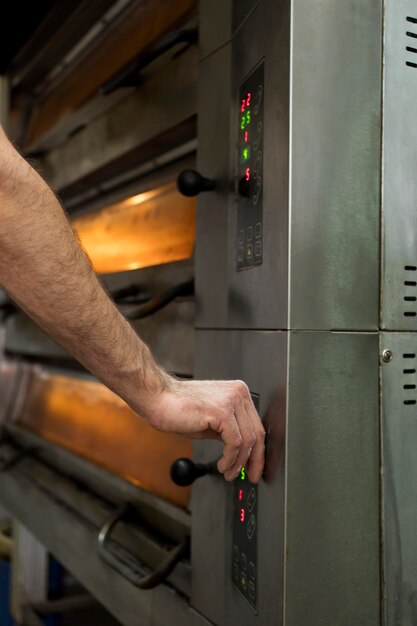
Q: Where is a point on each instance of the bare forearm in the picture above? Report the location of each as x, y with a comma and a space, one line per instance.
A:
45, 271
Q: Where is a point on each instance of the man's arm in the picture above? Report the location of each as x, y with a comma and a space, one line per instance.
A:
46, 272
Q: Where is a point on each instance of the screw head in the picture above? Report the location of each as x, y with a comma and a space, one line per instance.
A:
386, 356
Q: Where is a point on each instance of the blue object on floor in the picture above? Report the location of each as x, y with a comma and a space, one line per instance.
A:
5, 617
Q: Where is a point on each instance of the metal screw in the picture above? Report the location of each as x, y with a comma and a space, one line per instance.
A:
387, 356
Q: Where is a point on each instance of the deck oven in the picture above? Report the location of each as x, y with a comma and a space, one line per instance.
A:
305, 268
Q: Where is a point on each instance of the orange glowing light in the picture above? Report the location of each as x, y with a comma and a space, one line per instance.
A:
147, 229
88, 419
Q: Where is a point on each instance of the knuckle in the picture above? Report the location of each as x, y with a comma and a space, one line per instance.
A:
241, 387
236, 441
251, 440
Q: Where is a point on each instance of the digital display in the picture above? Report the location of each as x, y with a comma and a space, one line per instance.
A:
250, 171
244, 560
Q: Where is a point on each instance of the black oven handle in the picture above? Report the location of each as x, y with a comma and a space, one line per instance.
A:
125, 564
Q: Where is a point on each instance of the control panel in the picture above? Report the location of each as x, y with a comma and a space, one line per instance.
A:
244, 557
250, 170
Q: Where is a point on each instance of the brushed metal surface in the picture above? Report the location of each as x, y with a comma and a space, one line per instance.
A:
400, 153
215, 26
332, 552
241, 11
335, 164
399, 435
238, 354
212, 227
258, 296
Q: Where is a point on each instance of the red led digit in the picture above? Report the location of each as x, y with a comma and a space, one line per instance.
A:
246, 136
240, 494
242, 515
242, 106
247, 174
248, 98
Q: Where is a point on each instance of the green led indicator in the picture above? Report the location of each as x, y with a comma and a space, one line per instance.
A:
245, 153
242, 474
243, 122
247, 117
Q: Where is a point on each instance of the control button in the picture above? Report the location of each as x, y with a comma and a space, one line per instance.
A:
241, 236
258, 230
235, 554
249, 233
258, 136
251, 499
252, 591
243, 562
236, 572
258, 99
249, 251
258, 248
251, 527
252, 571
243, 580
240, 254
258, 164
258, 189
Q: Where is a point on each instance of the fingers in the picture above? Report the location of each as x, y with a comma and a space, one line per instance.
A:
232, 439
244, 436
257, 457
248, 439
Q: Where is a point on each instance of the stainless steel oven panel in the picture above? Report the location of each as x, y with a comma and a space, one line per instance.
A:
332, 551
399, 167
215, 25
321, 170
318, 559
212, 228
335, 123
258, 296
259, 358
399, 464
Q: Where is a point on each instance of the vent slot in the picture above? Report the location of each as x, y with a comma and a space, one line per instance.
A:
409, 293
410, 49
409, 385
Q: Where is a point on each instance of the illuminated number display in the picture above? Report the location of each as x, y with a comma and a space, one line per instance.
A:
245, 522
249, 174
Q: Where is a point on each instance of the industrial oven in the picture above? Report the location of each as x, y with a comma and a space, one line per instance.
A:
305, 269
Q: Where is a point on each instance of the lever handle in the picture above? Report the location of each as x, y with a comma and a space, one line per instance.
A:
191, 183
184, 471
127, 565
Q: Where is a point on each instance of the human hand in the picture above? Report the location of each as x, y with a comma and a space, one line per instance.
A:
214, 410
